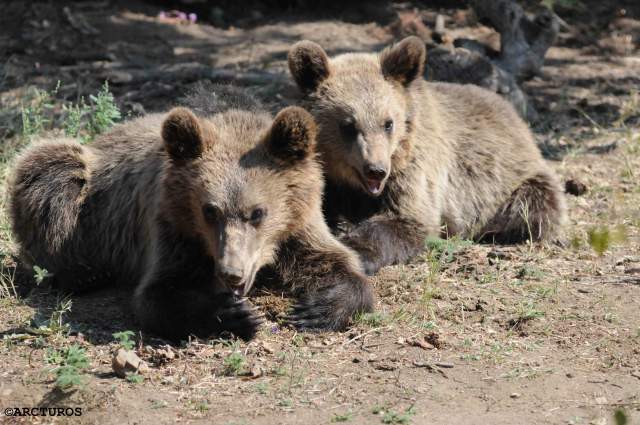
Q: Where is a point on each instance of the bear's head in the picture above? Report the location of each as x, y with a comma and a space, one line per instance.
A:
241, 183
363, 106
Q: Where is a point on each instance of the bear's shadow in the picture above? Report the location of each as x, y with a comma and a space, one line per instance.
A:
97, 314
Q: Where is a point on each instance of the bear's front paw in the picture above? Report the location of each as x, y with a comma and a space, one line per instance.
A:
332, 307
238, 317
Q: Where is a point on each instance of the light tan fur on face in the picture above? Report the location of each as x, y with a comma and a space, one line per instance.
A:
239, 175
364, 96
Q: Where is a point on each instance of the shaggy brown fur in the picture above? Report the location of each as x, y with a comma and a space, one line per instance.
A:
406, 158
186, 210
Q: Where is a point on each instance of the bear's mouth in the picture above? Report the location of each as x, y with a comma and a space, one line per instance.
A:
373, 186
240, 287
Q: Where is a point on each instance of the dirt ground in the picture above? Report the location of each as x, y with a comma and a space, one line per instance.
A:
466, 334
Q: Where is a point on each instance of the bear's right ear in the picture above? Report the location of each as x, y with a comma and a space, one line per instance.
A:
309, 65
182, 134
292, 136
404, 62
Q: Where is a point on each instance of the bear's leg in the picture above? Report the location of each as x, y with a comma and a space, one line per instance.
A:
47, 190
328, 278
175, 310
383, 240
536, 211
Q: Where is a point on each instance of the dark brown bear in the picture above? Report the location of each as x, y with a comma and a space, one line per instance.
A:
186, 209
406, 158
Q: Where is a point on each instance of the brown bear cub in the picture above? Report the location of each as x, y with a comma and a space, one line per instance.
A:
406, 158
186, 209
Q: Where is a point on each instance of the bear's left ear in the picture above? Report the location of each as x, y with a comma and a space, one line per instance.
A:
182, 134
292, 136
404, 62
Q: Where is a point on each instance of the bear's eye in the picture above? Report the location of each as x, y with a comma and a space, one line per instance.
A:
210, 212
388, 126
348, 129
257, 215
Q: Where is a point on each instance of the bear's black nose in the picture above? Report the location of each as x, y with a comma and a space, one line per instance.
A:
374, 172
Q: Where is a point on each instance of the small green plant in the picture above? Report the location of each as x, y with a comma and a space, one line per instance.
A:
285, 402
79, 120
69, 363
40, 274
74, 120
620, 417
526, 311
56, 322
201, 407
234, 363
374, 320
529, 272
135, 378
445, 249
262, 388
391, 417
36, 114
602, 238
105, 111
344, 417
124, 339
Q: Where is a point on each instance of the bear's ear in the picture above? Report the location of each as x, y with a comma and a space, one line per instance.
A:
309, 65
404, 62
182, 134
292, 136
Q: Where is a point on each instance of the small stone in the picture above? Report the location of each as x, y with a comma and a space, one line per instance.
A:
497, 254
125, 361
268, 348
256, 372
575, 187
165, 354
515, 395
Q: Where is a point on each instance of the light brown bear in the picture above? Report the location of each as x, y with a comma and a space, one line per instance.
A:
406, 158
186, 209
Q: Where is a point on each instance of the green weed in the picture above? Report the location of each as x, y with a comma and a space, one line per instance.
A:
79, 120
374, 320
391, 417
105, 112
233, 363
445, 249
124, 339
620, 417
70, 362
40, 274
36, 114
344, 417
135, 378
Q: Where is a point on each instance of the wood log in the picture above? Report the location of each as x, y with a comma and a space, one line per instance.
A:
523, 41
523, 45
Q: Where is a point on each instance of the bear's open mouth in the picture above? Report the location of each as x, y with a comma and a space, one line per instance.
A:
372, 186
241, 287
